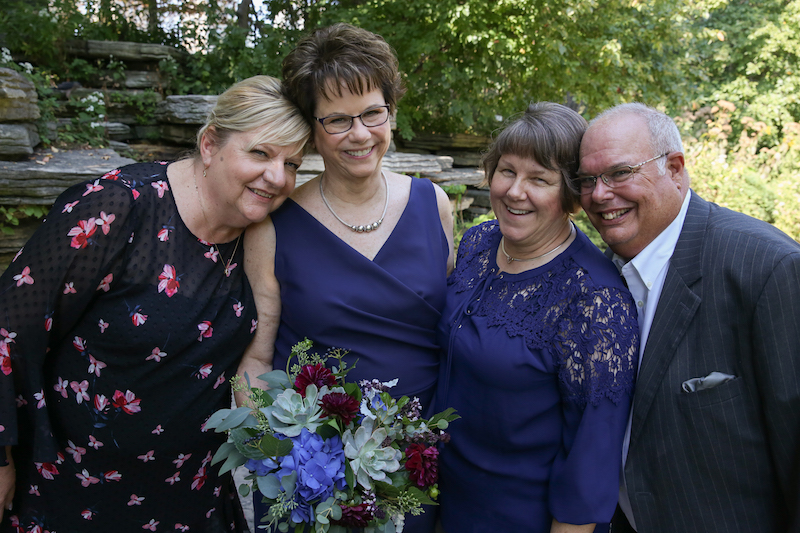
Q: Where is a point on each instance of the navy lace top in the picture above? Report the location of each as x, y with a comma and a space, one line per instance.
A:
540, 365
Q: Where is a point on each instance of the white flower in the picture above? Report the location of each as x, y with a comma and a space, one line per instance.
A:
5, 55
399, 522
27, 66
368, 458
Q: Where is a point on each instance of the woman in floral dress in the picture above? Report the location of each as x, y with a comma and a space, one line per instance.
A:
121, 321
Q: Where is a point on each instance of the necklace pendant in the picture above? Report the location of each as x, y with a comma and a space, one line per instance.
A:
510, 259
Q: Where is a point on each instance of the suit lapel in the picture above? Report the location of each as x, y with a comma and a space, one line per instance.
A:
677, 306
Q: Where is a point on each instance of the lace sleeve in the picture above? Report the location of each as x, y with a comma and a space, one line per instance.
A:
46, 289
597, 347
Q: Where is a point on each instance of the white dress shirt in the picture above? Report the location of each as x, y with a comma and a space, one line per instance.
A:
645, 275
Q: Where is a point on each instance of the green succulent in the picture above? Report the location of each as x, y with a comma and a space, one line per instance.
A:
290, 412
368, 458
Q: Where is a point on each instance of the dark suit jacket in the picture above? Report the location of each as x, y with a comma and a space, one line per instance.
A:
724, 459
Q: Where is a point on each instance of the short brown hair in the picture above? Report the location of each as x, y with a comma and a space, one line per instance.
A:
337, 55
548, 133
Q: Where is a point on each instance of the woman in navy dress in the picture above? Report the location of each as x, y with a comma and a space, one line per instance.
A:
358, 257
540, 339
123, 319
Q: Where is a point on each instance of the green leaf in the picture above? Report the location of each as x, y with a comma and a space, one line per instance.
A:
234, 419
234, 460
215, 419
269, 486
223, 452
276, 379
349, 476
386, 490
420, 496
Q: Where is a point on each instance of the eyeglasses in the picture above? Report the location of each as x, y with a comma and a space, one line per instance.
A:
612, 178
375, 116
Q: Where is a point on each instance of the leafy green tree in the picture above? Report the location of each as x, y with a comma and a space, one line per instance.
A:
468, 61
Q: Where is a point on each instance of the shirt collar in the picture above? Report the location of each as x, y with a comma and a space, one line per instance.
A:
651, 260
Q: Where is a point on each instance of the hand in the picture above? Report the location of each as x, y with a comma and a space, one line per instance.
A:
7, 484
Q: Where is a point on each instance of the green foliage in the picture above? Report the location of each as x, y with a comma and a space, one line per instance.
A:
467, 61
11, 216
144, 104
87, 125
741, 172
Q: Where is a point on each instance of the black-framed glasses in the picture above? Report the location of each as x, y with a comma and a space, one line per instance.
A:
374, 116
612, 178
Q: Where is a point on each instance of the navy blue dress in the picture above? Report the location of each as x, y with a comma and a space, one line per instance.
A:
384, 311
540, 366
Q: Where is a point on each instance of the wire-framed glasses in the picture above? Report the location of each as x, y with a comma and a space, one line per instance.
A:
612, 178
374, 116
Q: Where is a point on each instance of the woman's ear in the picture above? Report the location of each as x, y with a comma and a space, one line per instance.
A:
208, 146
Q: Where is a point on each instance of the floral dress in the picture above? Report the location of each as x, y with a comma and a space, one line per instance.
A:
119, 331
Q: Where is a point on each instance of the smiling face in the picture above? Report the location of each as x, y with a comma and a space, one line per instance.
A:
630, 216
526, 198
247, 183
357, 153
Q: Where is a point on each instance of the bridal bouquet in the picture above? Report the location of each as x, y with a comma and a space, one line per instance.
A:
328, 455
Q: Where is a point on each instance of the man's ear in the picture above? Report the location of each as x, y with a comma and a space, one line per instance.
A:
676, 167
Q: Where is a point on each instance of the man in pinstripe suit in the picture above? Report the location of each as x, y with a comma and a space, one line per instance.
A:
714, 436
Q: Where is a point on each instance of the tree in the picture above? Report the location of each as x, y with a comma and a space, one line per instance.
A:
466, 61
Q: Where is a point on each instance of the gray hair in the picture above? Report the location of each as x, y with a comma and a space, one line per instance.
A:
664, 135
256, 104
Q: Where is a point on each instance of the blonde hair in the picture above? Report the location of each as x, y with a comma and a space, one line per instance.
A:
257, 103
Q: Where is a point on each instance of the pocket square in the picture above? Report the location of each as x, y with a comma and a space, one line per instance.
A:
712, 380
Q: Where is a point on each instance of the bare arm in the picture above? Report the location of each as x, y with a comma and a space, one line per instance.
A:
7, 483
560, 527
446, 216
259, 265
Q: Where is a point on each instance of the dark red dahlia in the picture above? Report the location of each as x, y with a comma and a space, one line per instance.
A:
339, 404
354, 516
422, 465
313, 375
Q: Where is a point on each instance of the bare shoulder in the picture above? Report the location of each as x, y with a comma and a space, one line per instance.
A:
303, 194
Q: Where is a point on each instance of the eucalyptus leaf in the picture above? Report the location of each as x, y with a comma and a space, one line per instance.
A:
223, 452
236, 417
215, 419
288, 482
244, 490
234, 460
276, 379
269, 486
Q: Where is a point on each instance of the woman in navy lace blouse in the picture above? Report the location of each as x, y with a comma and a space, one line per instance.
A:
540, 338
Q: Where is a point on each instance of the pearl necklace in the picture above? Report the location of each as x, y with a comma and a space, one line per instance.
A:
359, 229
554, 250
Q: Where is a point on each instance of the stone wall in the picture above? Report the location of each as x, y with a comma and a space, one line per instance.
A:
137, 111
